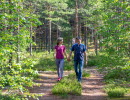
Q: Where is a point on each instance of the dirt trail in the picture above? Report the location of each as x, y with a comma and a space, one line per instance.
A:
92, 86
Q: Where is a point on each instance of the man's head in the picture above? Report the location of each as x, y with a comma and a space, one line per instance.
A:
78, 40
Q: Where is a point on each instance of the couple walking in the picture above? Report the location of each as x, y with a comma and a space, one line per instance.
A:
79, 50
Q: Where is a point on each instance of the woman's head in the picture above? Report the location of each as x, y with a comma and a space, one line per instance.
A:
59, 40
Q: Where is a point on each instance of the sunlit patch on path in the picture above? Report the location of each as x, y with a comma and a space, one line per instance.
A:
92, 87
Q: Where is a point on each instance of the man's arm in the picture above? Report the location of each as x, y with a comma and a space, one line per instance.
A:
72, 49
86, 58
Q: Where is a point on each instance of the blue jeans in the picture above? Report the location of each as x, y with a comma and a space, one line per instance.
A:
78, 66
60, 67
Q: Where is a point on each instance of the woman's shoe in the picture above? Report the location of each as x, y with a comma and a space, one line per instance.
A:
59, 79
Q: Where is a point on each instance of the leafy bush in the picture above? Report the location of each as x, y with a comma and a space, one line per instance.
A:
119, 73
47, 63
92, 62
68, 65
113, 74
7, 97
116, 92
17, 77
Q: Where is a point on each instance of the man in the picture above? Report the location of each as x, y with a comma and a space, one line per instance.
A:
79, 52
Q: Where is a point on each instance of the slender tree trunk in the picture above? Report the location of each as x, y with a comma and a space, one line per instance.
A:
85, 35
46, 35
129, 49
35, 40
30, 49
92, 36
44, 38
76, 18
57, 32
18, 46
100, 40
95, 43
10, 26
31, 38
85, 42
50, 36
79, 27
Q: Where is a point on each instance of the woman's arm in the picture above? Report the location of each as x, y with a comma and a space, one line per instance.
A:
65, 54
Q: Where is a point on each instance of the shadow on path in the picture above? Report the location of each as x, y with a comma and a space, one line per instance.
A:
92, 87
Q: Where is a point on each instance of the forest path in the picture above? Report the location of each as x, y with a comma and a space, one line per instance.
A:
92, 87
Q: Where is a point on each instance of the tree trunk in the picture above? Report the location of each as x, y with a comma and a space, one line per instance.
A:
85, 36
49, 36
129, 49
79, 27
35, 40
57, 32
76, 18
95, 43
10, 26
30, 49
18, 46
85, 42
100, 41
46, 35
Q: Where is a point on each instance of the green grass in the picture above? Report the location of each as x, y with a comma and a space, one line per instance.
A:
67, 86
116, 92
116, 88
116, 70
44, 61
86, 74
9, 97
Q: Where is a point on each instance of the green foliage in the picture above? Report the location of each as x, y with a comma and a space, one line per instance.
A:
92, 60
68, 85
116, 92
86, 74
17, 77
46, 62
119, 73
116, 70
68, 65
113, 66
115, 28
15, 74
113, 74
7, 97
108, 18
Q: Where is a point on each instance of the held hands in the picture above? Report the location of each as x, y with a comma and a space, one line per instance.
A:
68, 59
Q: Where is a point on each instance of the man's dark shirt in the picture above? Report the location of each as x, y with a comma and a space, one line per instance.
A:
79, 50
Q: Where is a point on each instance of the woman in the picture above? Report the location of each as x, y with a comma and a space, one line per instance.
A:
59, 53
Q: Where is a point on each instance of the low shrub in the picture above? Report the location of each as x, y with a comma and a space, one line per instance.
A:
68, 85
116, 92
